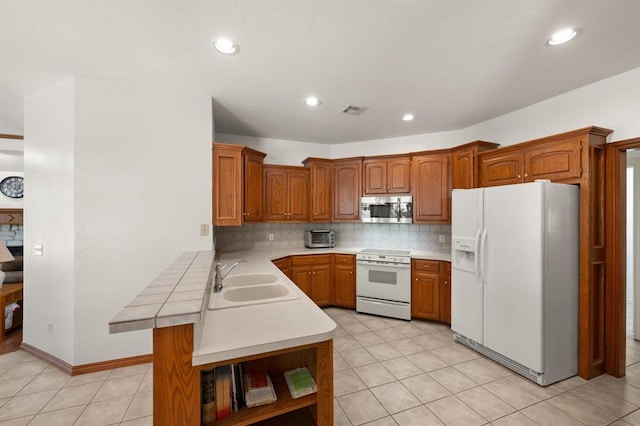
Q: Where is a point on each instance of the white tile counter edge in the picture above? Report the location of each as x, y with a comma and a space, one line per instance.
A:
235, 332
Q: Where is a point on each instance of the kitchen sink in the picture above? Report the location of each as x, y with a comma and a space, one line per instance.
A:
250, 289
258, 292
249, 279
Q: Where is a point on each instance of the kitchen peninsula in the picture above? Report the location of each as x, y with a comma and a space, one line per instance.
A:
188, 338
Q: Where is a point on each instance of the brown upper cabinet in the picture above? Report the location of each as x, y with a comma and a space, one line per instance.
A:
464, 164
387, 175
321, 174
347, 189
559, 161
286, 193
431, 188
237, 185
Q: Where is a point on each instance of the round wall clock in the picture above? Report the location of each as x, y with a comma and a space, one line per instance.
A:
12, 186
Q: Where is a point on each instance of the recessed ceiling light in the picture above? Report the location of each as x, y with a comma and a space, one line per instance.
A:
226, 46
312, 101
407, 117
563, 36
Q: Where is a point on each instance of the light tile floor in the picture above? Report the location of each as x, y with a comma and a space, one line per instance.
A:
387, 372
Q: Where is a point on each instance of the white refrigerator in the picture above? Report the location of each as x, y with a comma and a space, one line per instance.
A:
515, 276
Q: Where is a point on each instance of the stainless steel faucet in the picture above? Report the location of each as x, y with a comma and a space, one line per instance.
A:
220, 275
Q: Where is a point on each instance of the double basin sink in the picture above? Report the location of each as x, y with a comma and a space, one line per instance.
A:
250, 289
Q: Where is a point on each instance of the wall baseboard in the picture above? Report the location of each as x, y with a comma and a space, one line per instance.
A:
74, 370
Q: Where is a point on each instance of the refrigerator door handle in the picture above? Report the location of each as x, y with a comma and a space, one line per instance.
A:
477, 255
481, 251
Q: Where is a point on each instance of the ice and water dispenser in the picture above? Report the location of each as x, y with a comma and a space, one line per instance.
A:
464, 254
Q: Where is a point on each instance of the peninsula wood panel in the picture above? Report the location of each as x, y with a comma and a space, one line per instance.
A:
176, 383
445, 293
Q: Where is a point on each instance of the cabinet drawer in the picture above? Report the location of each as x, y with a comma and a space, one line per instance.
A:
426, 265
344, 259
314, 259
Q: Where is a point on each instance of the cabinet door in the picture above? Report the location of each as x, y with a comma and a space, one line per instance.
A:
344, 283
298, 194
425, 297
346, 191
321, 178
462, 169
501, 169
445, 293
399, 176
556, 161
227, 186
253, 204
431, 193
321, 285
276, 194
375, 177
284, 265
301, 275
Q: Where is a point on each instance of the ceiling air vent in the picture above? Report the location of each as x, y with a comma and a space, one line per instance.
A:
353, 110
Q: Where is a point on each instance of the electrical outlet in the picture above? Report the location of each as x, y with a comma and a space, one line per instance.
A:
50, 327
204, 229
441, 239
271, 236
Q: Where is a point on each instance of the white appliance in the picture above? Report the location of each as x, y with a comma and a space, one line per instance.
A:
383, 282
515, 276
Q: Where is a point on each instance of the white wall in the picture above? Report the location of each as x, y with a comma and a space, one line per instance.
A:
49, 216
141, 186
279, 151
10, 128
613, 103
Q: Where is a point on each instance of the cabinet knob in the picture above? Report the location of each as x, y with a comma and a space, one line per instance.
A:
519, 176
350, 272
526, 175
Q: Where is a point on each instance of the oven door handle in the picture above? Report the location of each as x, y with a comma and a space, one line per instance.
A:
383, 264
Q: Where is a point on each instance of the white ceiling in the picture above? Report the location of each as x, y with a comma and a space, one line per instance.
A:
453, 63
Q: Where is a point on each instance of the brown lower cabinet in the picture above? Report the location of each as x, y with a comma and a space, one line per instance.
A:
312, 273
330, 280
431, 290
344, 281
445, 292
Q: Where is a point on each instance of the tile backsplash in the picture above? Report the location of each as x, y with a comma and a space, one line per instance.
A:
370, 235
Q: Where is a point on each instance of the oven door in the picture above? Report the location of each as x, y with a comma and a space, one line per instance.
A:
383, 281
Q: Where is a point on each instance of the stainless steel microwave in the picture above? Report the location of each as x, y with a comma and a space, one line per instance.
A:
388, 209
319, 238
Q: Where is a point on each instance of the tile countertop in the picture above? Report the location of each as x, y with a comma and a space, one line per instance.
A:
180, 295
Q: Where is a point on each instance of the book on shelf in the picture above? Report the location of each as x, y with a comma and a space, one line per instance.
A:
223, 391
300, 382
258, 389
208, 409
